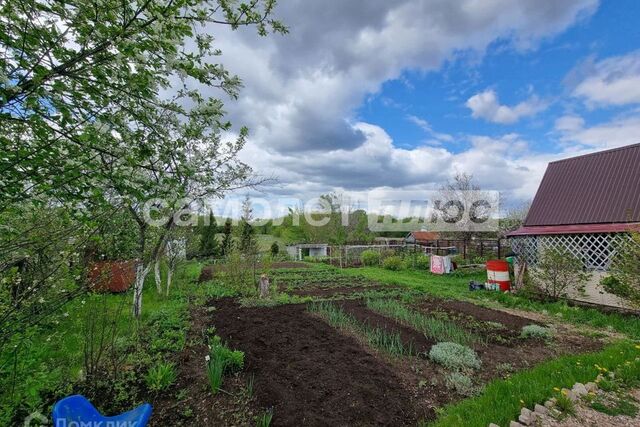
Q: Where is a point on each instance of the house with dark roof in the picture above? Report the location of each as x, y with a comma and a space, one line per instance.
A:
584, 204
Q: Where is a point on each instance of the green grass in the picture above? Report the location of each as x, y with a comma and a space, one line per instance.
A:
43, 363
389, 342
438, 329
456, 287
622, 406
500, 401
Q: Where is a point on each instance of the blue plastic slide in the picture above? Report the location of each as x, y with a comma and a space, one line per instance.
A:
76, 410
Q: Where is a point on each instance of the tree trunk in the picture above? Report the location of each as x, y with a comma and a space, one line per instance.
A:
157, 275
169, 277
141, 275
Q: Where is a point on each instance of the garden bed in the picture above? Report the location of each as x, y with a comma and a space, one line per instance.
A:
308, 372
314, 370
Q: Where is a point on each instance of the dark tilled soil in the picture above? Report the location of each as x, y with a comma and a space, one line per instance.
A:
189, 401
310, 373
457, 308
333, 291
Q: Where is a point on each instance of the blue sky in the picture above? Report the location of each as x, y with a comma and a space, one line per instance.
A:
371, 98
439, 97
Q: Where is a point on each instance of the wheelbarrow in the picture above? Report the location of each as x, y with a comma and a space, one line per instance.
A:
77, 410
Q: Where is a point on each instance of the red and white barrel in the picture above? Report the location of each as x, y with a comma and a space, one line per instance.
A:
498, 273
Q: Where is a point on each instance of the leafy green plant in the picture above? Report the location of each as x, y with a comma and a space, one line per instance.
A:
250, 384
607, 384
389, 342
264, 420
160, 376
393, 263
423, 263
565, 404
536, 331
461, 383
439, 329
370, 257
221, 360
504, 369
454, 356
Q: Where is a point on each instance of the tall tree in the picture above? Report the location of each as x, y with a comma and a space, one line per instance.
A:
247, 241
101, 105
209, 246
227, 237
81, 84
456, 205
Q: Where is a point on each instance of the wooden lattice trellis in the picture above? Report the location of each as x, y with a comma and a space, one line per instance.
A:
595, 250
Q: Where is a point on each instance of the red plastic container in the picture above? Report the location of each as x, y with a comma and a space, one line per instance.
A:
498, 272
112, 276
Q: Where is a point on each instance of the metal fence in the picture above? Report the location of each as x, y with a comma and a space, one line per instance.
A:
350, 255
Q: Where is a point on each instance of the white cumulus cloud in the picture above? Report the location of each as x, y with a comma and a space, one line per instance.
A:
486, 105
612, 81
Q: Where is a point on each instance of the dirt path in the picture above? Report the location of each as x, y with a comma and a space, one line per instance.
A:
310, 373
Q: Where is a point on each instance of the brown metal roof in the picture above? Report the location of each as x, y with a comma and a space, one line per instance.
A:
602, 187
424, 236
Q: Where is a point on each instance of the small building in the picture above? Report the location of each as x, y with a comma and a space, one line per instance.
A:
585, 205
425, 238
300, 251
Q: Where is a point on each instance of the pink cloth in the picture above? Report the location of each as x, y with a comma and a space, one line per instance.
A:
437, 264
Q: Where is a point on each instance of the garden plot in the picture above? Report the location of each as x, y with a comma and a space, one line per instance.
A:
308, 372
208, 272
324, 284
384, 359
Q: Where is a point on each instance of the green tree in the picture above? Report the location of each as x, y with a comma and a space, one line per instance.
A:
209, 246
83, 84
275, 248
247, 243
227, 238
101, 106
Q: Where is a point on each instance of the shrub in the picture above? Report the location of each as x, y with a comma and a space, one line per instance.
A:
626, 266
160, 376
393, 263
275, 249
536, 331
461, 383
423, 262
454, 356
370, 257
558, 273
